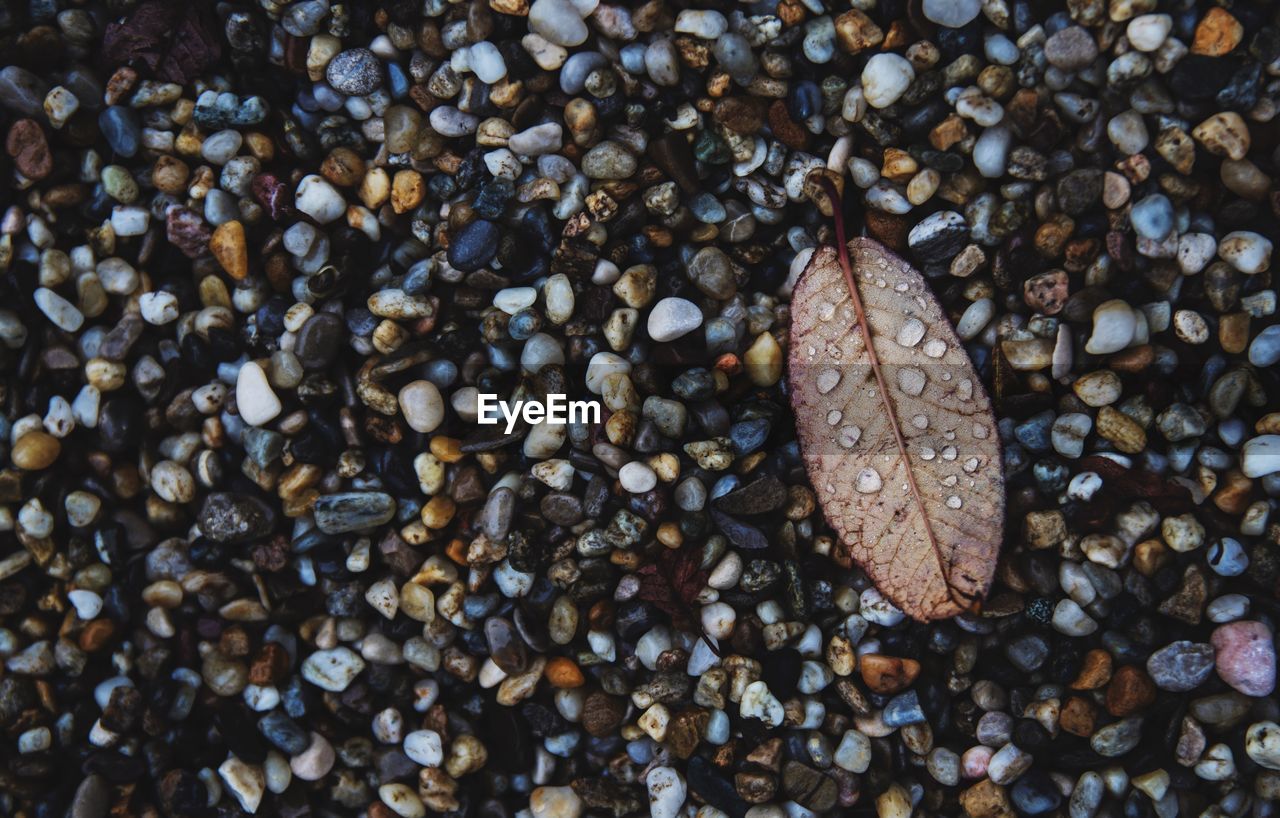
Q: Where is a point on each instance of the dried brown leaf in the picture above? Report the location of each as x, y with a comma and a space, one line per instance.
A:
899, 438
175, 41
1165, 496
672, 583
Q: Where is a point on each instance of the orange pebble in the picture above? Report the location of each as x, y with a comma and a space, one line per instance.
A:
563, 673
729, 364
446, 449
457, 551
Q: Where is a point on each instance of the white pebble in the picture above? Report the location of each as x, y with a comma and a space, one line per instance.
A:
666, 792
319, 199
59, 310
87, 603
1148, 31
1114, 325
672, 318
424, 747
158, 308
885, 78
637, 477
255, 399
1247, 251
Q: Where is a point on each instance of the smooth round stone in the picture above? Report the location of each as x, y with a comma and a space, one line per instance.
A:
353, 511
1181, 666
938, 237
558, 22
319, 199
672, 318
422, 405
541, 350
662, 63
451, 122
319, 340
1264, 350
1128, 132
637, 477
424, 747
1247, 251
733, 52
608, 160
1227, 557
1262, 744
952, 13
885, 78
61, 312
255, 400
991, 151
1035, 794
120, 127
666, 792
506, 648
1114, 325
1071, 49
316, 761
1000, 50
355, 72
1246, 657
487, 62
702, 23
474, 245
22, 90
555, 802
220, 147
1260, 456
513, 299
1148, 32
537, 141
303, 19
1152, 218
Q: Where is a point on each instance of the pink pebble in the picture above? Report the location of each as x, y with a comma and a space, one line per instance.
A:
1246, 657
974, 761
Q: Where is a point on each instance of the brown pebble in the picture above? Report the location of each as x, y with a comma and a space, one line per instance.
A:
1078, 717
742, 114
1130, 690
602, 713
96, 635
229, 247
1234, 493
787, 130
1094, 672
1046, 292
986, 799
270, 666
27, 145
1218, 33
888, 674
856, 31
755, 788
887, 228
343, 166
35, 450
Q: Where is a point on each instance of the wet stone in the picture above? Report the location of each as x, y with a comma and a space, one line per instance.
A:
474, 246
355, 71
1181, 666
353, 511
235, 518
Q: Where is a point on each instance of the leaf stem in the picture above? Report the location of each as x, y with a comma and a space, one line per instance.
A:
842, 251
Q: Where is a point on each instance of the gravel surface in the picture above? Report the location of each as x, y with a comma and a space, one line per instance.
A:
259, 261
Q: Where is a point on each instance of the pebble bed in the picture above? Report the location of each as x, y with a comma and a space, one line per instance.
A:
260, 259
